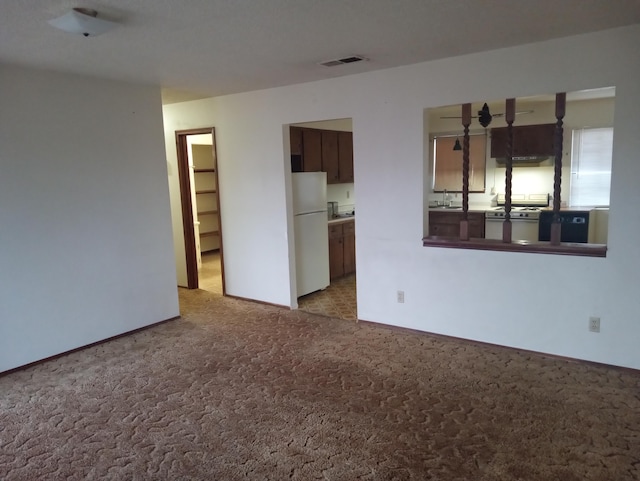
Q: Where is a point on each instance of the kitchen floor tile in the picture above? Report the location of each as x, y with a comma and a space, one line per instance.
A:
338, 300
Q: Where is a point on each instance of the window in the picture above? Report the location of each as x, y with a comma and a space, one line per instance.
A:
591, 167
448, 163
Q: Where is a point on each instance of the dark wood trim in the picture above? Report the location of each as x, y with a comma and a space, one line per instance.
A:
564, 248
187, 207
466, 121
71, 351
510, 115
556, 226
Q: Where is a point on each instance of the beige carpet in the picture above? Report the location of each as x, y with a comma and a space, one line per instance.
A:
242, 391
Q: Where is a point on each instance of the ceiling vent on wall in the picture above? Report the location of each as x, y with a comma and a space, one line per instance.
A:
342, 61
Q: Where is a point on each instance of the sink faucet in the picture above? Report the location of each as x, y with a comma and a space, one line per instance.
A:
444, 197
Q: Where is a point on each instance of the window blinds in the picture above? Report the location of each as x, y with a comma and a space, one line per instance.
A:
591, 167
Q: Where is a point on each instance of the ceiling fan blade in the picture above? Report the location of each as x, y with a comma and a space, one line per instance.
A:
520, 112
517, 113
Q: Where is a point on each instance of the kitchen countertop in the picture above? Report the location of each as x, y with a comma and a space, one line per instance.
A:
576, 208
459, 209
342, 219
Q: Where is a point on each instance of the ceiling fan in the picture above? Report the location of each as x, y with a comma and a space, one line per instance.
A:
485, 116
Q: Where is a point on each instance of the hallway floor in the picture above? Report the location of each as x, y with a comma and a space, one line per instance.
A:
210, 275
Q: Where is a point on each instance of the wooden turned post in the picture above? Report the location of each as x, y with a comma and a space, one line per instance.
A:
556, 226
464, 223
510, 115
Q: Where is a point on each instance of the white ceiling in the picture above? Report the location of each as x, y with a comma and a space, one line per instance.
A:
202, 48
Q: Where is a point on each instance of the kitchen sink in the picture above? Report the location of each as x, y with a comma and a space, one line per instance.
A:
446, 207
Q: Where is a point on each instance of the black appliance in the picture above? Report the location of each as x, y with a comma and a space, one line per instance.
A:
575, 226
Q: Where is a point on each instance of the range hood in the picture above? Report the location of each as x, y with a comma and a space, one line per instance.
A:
532, 144
530, 160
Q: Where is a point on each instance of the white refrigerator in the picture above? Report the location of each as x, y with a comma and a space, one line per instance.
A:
311, 231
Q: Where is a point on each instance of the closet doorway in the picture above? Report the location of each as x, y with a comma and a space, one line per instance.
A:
200, 198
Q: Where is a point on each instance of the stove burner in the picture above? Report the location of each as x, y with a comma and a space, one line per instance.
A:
517, 213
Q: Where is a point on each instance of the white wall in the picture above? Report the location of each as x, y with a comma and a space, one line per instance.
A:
447, 291
345, 125
85, 236
344, 195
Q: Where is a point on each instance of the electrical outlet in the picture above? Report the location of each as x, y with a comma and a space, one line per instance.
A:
594, 324
401, 297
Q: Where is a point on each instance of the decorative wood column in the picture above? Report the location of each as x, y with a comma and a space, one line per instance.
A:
556, 227
509, 116
464, 223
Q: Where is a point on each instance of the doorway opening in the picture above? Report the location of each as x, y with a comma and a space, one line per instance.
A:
325, 147
200, 199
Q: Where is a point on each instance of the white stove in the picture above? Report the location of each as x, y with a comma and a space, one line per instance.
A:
517, 213
524, 217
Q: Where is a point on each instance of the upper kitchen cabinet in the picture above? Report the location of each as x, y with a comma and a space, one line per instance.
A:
337, 156
321, 150
311, 150
448, 164
295, 135
345, 156
330, 161
530, 142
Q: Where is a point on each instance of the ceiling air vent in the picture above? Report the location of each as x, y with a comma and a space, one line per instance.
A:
342, 61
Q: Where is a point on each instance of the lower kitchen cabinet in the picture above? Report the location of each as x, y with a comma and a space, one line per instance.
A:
342, 249
447, 224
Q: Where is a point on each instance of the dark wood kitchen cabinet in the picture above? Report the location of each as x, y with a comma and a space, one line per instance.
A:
528, 141
345, 156
330, 159
295, 137
342, 249
337, 156
349, 244
311, 150
447, 223
330, 151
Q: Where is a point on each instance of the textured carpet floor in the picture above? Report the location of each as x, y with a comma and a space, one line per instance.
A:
242, 391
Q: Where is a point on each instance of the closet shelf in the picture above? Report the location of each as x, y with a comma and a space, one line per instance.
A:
204, 170
208, 212
206, 191
210, 234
